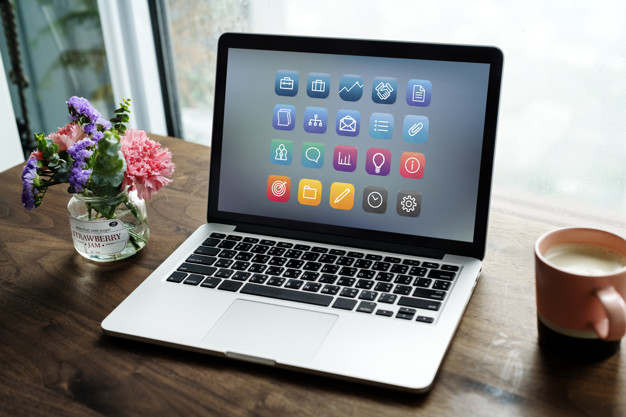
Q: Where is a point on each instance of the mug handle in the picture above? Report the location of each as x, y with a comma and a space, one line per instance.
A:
613, 327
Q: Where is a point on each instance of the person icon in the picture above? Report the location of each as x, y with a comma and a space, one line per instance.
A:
281, 153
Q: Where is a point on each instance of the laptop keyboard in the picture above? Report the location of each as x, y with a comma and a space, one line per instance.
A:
391, 286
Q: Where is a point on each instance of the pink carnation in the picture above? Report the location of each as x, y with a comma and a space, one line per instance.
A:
68, 135
148, 166
37, 155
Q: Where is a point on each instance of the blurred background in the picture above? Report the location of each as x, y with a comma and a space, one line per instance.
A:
561, 142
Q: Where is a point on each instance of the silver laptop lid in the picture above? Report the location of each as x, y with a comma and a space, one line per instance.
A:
383, 145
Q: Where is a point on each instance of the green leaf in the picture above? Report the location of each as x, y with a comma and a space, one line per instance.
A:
109, 165
121, 116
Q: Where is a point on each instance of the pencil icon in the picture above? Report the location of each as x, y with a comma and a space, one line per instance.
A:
342, 195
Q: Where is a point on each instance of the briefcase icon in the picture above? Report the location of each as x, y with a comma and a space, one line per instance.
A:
286, 83
309, 193
347, 124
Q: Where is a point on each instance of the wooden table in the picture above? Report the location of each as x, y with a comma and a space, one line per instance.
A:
54, 360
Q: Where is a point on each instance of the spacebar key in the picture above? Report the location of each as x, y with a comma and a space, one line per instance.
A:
289, 295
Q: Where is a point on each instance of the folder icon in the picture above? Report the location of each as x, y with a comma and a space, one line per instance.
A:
310, 192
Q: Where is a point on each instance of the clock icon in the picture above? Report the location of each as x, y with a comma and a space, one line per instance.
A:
374, 199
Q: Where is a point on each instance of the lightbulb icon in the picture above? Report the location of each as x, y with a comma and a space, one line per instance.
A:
378, 160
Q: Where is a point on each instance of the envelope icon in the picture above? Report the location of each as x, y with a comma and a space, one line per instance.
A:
347, 124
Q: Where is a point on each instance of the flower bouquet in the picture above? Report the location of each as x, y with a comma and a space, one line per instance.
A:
111, 171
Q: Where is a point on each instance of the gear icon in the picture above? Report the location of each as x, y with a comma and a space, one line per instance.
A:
408, 203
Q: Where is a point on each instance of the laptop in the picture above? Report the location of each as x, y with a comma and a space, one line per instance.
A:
347, 211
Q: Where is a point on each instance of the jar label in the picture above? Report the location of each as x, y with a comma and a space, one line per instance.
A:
99, 237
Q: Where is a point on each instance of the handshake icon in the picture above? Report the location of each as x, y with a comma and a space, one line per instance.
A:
384, 90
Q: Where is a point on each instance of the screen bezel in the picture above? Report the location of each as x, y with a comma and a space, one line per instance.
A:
348, 235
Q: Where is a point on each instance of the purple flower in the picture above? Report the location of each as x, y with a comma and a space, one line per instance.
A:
79, 153
79, 106
28, 190
83, 112
78, 178
97, 136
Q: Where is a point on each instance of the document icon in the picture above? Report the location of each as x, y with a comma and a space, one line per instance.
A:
418, 93
284, 117
348, 122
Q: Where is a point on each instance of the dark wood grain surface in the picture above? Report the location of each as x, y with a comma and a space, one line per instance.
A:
54, 360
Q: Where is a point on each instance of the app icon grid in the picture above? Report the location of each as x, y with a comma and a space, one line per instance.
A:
378, 161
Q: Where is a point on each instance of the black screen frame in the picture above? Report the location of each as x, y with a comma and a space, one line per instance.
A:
410, 244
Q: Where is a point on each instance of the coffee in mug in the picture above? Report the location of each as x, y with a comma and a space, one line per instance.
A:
581, 286
584, 259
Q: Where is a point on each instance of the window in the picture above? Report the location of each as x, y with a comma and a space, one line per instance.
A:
560, 141
62, 53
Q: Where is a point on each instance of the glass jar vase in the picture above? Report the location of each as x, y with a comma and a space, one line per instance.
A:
108, 228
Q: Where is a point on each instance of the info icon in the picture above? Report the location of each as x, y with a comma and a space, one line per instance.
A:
412, 165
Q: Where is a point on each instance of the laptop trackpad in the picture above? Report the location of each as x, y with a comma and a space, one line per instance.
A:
269, 332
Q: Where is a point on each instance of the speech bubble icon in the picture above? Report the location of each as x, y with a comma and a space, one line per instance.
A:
313, 154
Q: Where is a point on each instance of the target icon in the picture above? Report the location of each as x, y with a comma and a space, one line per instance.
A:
278, 188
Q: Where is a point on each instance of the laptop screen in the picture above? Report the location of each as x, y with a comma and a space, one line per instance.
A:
354, 137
